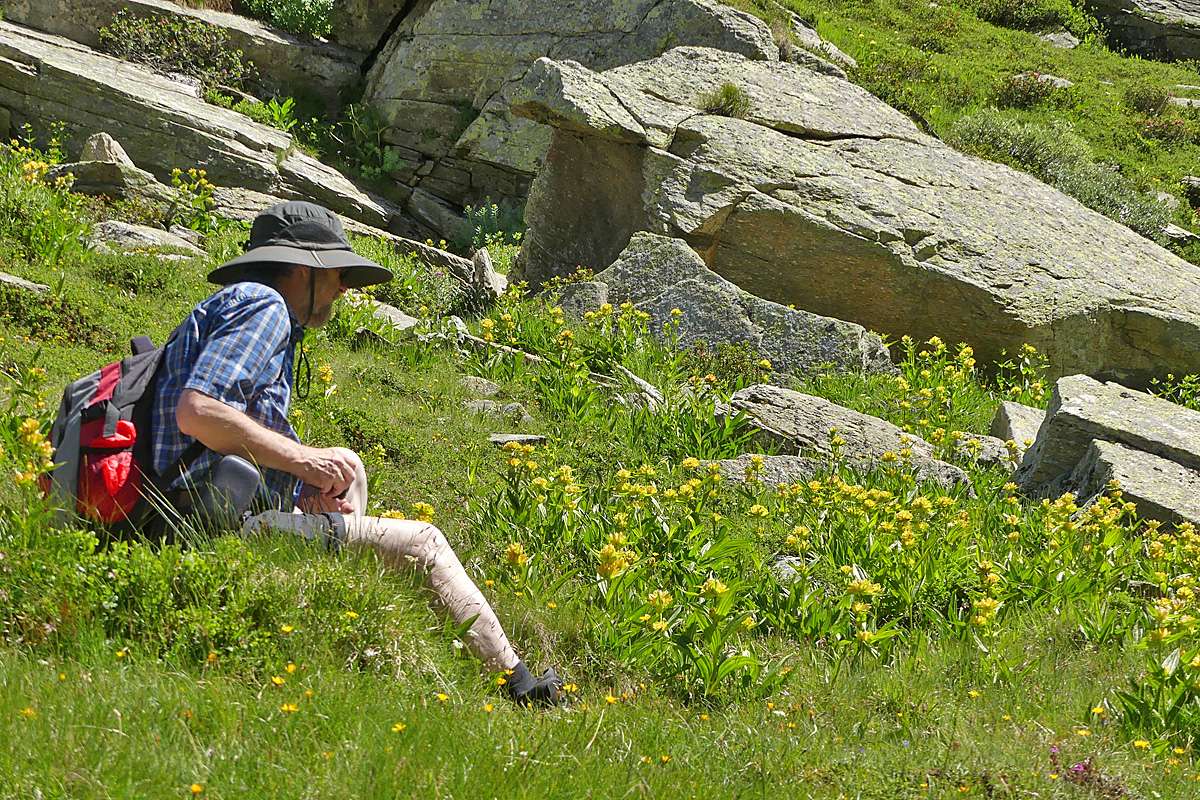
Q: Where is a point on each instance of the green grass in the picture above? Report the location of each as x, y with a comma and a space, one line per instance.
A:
911, 731
132, 670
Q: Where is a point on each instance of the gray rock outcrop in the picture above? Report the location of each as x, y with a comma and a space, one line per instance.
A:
1152, 28
397, 319
441, 80
1161, 489
113, 236
162, 124
1083, 410
111, 179
284, 64
102, 147
364, 24
1017, 423
659, 275
20, 284
801, 424
1064, 40
480, 387
827, 198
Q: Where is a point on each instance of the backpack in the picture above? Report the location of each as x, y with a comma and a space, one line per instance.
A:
103, 445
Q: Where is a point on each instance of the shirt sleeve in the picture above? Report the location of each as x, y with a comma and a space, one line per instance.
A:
239, 355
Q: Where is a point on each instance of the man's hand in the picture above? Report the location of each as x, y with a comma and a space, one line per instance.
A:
313, 501
329, 470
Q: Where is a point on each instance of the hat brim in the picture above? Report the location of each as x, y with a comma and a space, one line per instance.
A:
359, 271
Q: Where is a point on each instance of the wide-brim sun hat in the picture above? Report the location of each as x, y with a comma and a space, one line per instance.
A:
298, 232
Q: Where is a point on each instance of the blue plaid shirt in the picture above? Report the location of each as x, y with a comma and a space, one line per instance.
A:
237, 347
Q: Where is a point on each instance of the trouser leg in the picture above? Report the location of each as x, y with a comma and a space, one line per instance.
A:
419, 545
408, 544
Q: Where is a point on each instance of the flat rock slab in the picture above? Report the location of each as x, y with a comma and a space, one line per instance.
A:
1018, 423
1083, 410
114, 235
22, 284
1064, 40
286, 64
162, 124
659, 275
501, 439
800, 424
1160, 489
393, 316
826, 198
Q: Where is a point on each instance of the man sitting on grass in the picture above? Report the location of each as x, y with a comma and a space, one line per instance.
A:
226, 382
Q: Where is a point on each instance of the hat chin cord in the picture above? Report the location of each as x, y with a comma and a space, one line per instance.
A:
303, 370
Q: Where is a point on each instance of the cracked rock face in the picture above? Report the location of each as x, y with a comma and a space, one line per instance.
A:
1153, 28
162, 124
805, 425
826, 198
285, 64
442, 79
659, 275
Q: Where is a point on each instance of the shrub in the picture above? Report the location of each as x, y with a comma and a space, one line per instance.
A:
415, 287
938, 29
358, 139
727, 101
184, 46
1035, 15
41, 214
1027, 90
1060, 158
277, 112
305, 17
1171, 131
1147, 98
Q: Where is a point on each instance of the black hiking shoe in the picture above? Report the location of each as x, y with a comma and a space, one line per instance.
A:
525, 690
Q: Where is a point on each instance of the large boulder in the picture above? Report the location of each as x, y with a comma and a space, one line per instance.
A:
1083, 410
804, 425
285, 64
442, 78
659, 275
1152, 28
825, 197
162, 124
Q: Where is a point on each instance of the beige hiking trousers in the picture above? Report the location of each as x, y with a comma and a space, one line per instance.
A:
407, 545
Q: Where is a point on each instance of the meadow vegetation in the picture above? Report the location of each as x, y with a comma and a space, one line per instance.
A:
922, 642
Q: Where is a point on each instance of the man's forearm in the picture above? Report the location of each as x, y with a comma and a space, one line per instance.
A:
226, 430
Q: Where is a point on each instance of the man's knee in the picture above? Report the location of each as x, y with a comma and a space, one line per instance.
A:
427, 546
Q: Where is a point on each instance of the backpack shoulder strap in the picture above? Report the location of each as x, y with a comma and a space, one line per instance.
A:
140, 344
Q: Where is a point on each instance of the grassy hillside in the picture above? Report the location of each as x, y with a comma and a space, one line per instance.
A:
936, 643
